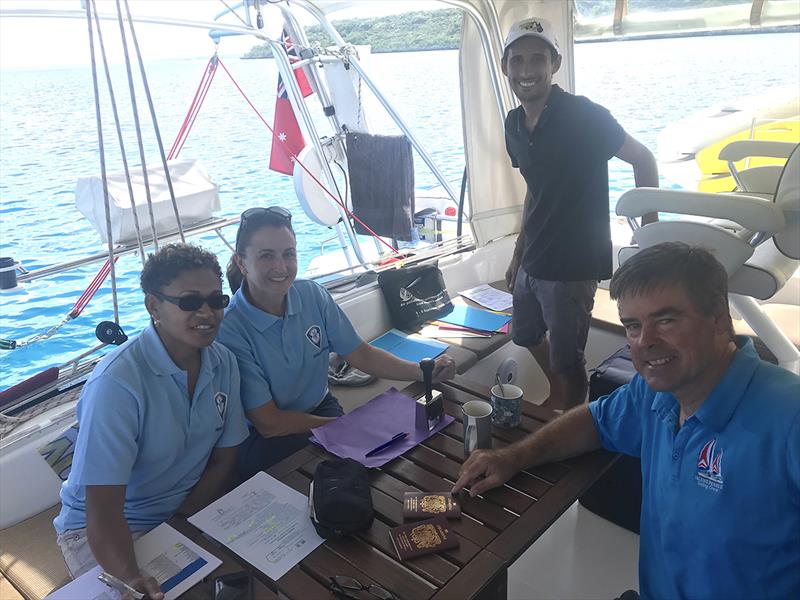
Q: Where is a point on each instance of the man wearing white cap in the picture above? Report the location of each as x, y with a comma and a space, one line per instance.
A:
561, 144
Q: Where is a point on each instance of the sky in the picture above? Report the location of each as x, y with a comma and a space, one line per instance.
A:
49, 42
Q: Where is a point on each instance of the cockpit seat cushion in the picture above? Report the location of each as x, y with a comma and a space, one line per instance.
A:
8, 591
30, 557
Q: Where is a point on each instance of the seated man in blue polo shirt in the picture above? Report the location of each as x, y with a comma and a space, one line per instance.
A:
717, 430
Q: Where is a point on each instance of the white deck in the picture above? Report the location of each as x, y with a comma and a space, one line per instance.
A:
581, 556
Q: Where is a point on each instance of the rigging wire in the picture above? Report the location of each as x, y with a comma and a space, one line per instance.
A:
235, 14
104, 174
137, 124
113, 102
156, 129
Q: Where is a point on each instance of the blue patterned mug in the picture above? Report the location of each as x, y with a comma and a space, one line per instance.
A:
507, 405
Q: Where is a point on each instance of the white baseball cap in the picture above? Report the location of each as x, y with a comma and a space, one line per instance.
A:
532, 27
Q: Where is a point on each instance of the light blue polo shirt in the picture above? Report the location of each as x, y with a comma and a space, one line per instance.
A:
285, 359
721, 495
138, 428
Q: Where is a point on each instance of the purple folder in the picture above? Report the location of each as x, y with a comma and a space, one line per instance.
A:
372, 424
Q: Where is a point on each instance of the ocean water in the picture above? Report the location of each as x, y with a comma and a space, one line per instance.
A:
48, 139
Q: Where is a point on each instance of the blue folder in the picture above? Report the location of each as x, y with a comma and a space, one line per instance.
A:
398, 343
475, 318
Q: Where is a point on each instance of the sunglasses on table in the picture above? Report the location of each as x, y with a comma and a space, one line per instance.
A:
193, 302
341, 585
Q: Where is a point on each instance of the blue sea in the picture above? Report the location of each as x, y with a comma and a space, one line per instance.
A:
48, 139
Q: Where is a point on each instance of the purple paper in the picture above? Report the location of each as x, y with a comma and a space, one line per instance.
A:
372, 424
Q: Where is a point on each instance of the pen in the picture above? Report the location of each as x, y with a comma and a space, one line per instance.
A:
385, 445
120, 585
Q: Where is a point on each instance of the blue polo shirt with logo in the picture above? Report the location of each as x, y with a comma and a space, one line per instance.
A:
139, 428
285, 359
721, 494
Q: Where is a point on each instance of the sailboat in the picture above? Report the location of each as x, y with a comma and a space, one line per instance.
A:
474, 230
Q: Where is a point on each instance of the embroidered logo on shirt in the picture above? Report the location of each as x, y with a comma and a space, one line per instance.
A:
314, 335
221, 400
709, 466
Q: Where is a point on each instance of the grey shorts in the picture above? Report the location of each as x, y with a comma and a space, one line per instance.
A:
78, 555
564, 308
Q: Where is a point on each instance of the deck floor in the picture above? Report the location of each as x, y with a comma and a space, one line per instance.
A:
581, 557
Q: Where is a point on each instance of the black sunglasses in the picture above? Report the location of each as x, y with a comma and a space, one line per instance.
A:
342, 585
193, 302
258, 211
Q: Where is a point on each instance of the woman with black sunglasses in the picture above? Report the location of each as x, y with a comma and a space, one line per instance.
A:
282, 330
159, 421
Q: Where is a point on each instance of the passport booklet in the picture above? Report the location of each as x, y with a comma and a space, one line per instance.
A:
423, 505
423, 537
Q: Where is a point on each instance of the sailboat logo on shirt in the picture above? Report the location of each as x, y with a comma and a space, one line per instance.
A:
709, 466
314, 335
221, 400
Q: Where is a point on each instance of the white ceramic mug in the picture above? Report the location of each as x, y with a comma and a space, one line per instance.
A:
477, 425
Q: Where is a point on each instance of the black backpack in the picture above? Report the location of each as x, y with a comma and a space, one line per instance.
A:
341, 502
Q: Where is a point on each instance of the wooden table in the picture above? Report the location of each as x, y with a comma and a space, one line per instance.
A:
493, 532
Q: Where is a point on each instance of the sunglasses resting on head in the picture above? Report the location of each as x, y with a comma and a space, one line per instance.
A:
260, 211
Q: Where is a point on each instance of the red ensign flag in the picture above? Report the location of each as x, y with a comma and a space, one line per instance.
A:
287, 139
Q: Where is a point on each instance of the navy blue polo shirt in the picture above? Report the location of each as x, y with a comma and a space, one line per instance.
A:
565, 163
721, 493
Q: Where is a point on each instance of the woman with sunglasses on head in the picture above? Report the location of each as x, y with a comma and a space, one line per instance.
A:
159, 421
282, 330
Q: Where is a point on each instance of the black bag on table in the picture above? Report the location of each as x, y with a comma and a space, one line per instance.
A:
617, 495
414, 295
341, 502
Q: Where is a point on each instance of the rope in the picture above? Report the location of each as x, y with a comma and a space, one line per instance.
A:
194, 107
120, 139
299, 162
104, 175
74, 313
91, 290
156, 129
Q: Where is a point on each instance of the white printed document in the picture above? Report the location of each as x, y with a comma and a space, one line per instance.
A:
265, 522
489, 297
170, 557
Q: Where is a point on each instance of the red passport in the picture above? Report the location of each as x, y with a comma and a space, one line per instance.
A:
423, 505
423, 537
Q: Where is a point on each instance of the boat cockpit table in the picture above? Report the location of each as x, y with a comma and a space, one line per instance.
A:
494, 530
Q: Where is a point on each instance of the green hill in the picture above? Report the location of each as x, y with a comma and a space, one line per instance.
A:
441, 29
422, 30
